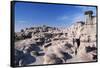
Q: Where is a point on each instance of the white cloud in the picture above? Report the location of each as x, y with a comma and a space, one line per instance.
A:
21, 24
21, 21
78, 17
86, 8
62, 18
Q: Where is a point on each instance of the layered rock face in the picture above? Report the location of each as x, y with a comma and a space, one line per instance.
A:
51, 45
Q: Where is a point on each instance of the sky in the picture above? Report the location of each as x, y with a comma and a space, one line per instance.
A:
38, 14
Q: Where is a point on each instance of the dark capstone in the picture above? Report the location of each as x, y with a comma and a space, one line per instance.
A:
88, 12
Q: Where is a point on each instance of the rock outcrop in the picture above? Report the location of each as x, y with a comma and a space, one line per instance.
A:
53, 45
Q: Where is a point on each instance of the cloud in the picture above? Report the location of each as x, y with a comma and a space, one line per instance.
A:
81, 16
21, 21
73, 18
87, 8
93, 9
21, 24
77, 17
62, 18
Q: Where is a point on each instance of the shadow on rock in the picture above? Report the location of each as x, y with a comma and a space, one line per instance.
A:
27, 59
89, 49
67, 56
23, 59
35, 48
41, 54
68, 45
58, 61
18, 56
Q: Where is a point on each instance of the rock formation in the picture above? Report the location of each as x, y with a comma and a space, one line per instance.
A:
54, 45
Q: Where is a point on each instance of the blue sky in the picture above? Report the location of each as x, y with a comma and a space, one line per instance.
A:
33, 14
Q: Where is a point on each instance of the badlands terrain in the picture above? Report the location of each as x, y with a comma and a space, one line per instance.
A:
51, 45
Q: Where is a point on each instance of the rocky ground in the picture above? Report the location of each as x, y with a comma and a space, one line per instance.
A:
50, 45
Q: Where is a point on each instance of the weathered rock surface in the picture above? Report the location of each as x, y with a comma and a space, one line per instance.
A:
51, 45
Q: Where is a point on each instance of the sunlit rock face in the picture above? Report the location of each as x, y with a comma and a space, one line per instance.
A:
51, 45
